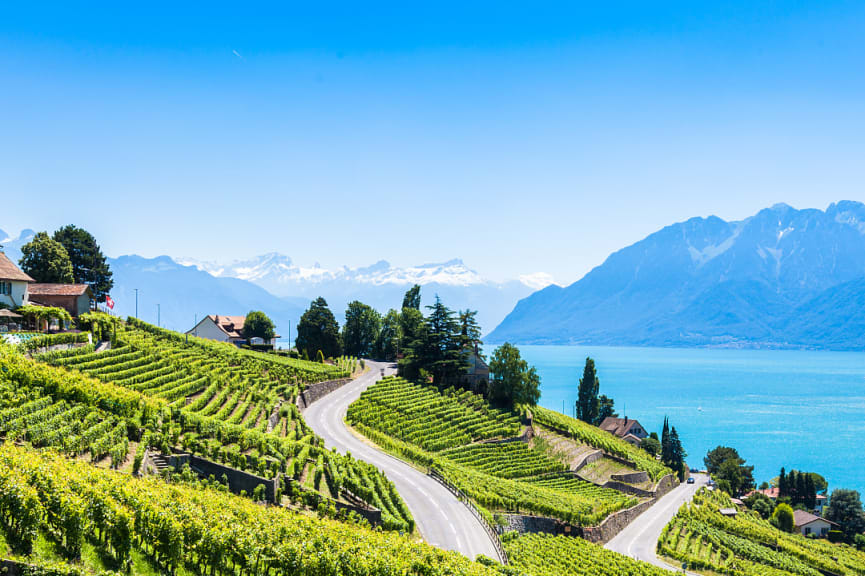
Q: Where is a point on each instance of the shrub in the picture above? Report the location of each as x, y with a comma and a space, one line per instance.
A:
782, 518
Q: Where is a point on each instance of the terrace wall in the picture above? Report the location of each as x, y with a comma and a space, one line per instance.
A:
237, 479
319, 390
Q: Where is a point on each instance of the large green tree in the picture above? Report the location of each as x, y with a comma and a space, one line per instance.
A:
845, 508
412, 298
89, 265
46, 260
442, 349
360, 333
318, 330
783, 518
469, 328
390, 336
606, 408
258, 325
677, 454
512, 380
587, 394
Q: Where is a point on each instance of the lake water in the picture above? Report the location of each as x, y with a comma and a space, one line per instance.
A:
798, 409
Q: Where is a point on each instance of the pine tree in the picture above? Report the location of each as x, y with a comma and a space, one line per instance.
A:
587, 394
810, 492
677, 454
801, 490
89, 265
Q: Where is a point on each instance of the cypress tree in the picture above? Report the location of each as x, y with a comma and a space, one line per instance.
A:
801, 491
810, 492
782, 484
677, 454
587, 394
665, 441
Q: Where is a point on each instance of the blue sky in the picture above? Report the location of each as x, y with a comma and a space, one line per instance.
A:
521, 137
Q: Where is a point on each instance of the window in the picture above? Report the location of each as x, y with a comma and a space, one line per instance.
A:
807, 531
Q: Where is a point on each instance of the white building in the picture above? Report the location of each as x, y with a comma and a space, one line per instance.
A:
807, 523
225, 329
13, 283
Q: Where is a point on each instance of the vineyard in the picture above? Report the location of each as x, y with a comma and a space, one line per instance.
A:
232, 406
748, 545
190, 530
451, 431
587, 434
547, 555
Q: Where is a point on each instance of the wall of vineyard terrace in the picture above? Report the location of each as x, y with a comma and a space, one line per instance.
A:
237, 479
318, 391
525, 524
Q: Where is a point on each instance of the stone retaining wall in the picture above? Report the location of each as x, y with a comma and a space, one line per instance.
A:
525, 524
319, 390
628, 489
614, 523
631, 477
590, 457
237, 479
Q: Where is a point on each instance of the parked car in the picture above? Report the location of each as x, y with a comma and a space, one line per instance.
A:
690, 480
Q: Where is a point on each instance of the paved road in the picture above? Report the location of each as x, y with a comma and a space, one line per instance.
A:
640, 538
442, 520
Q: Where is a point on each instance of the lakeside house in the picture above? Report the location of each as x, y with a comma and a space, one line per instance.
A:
772, 493
74, 298
226, 329
631, 431
807, 523
13, 283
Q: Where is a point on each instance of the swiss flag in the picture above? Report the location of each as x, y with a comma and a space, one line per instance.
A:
109, 302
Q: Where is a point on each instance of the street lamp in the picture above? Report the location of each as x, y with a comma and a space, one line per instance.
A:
159, 316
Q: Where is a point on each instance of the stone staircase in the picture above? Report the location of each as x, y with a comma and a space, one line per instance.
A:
159, 461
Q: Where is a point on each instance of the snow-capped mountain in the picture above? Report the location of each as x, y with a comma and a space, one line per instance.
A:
781, 278
12, 245
381, 285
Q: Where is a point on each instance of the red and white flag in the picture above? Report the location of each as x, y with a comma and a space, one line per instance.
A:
109, 302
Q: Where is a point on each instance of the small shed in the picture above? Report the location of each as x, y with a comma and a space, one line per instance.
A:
10, 321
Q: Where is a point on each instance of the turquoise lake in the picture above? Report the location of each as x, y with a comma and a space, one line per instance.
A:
798, 409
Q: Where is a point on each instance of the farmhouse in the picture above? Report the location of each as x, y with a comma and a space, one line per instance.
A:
807, 523
478, 373
74, 298
13, 283
226, 329
630, 431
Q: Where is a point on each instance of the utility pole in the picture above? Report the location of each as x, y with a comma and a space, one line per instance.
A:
136, 303
159, 315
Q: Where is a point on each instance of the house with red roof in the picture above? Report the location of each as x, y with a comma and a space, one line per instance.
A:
13, 283
74, 298
628, 430
225, 329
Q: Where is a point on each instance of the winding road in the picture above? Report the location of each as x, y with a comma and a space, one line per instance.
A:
440, 517
639, 539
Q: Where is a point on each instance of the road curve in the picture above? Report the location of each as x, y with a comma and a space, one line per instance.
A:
441, 519
639, 539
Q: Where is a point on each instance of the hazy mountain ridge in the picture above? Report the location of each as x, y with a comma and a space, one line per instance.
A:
381, 285
711, 282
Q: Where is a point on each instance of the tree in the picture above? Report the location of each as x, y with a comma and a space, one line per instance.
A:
469, 328
587, 394
782, 484
46, 260
606, 408
845, 508
651, 445
89, 265
760, 503
665, 441
714, 458
318, 330
512, 380
810, 496
783, 519
389, 336
258, 325
443, 353
677, 454
412, 338
361, 330
412, 298
725, 463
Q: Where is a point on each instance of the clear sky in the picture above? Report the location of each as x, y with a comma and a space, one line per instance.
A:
521, 137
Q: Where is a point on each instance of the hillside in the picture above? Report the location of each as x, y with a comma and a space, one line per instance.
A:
781, 278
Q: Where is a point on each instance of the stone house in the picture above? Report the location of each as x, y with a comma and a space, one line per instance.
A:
807, 523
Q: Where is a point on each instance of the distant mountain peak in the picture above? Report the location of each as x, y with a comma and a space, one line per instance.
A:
708, 282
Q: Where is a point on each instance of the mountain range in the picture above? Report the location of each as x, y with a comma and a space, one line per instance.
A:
783, 278
185, 289
381, 285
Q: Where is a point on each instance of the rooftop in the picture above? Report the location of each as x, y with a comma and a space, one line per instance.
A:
9, 271
58, 289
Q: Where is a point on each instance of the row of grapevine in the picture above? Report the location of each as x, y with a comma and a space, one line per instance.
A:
507, 460
547, 555
588, 434
196, 529
423, 416
747, 544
